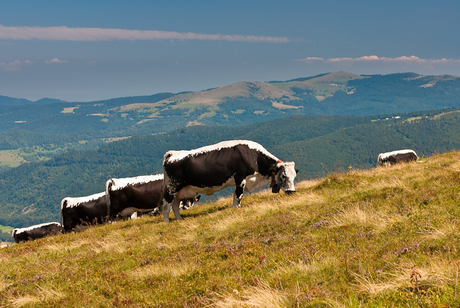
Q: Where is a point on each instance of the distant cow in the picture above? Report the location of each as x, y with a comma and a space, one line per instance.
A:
391, 158
36, 231
240, 163
90, 209
140, 194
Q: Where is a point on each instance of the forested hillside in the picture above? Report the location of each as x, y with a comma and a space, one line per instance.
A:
34, 131
319, 145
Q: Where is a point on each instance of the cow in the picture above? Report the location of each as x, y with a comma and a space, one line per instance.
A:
83, 210
395, 157
240, 163
37, 231
140, 194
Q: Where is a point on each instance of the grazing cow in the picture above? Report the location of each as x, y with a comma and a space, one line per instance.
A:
139, 194
240, 163
391, 158
37, 231
81, 210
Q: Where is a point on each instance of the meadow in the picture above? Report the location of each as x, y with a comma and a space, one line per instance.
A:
383, 237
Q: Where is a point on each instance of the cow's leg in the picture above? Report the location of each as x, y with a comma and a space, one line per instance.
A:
166, 210
238, 193
175, 207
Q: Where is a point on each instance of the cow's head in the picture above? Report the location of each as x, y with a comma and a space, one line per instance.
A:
283, 177
188, 203
67, 214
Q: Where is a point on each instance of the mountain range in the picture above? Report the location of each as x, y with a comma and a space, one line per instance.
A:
50, 149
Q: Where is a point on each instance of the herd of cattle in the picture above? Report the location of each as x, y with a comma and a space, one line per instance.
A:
246, 165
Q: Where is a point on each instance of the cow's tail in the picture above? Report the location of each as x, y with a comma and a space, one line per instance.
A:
63, 204
108, 186
160, 202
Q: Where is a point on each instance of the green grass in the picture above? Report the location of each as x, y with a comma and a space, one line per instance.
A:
5, 228
14, 158
10, 158
385, 237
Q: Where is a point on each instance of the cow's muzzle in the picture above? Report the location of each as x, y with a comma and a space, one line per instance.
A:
289, 192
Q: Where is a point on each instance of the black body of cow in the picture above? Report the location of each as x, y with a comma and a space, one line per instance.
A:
396, 157
83, 210
36, 232
240, 163
139, 194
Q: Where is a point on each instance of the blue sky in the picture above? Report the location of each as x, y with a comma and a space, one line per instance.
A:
91, 50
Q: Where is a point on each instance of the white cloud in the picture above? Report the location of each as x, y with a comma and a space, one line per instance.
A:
55, 61
311, 59
14, 65
377, 59
101, 34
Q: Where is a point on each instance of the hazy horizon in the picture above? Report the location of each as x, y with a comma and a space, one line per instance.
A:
95, 50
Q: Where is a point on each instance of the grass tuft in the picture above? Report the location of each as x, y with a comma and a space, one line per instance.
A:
261, 296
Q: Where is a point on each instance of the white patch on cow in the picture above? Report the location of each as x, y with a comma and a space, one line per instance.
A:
129, 211
118, 184
179, 155
383, 156
20, 230
256, 181
73, 202
134, 215
191, 191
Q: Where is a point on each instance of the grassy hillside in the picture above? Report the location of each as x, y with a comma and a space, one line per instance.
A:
385, 237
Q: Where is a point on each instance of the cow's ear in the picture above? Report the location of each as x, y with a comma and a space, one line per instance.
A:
296, 171
197, 198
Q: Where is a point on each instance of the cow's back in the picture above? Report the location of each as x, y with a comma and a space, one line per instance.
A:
140, 192
78, 210
36, 232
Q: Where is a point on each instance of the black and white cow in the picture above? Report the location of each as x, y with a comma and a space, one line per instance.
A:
140, 194
240, 163
391, 158
83, 210
36, 231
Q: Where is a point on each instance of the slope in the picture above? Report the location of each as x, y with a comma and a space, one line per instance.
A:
385, 237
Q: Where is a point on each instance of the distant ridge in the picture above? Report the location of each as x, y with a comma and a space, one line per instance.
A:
5, 100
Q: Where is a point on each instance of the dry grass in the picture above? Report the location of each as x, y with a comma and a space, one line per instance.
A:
261, 296
168, 270
379, 221
436, 275
44, 295
3, 284
385, 237
445, 230
314, 267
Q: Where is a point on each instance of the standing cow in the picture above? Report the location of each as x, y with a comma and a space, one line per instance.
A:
36, 231
240, 163
83, 210
141, 194
391, 158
